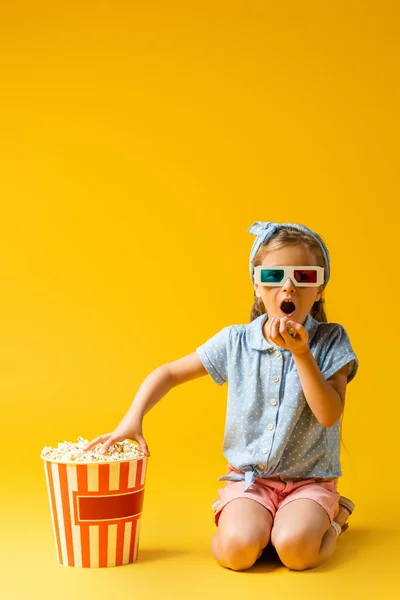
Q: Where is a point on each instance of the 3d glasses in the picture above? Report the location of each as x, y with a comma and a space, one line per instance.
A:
302, 276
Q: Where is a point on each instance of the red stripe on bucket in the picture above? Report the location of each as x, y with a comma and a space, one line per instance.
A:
85, 538
62, 472
103, 545
54, 509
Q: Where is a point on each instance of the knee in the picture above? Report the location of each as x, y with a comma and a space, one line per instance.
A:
237, 553
297, 552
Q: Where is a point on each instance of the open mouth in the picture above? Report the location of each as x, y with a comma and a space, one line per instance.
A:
288, 308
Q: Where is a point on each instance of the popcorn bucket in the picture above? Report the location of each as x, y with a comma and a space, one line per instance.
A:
96, 510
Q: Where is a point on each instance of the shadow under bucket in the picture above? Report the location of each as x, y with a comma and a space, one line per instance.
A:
96, 510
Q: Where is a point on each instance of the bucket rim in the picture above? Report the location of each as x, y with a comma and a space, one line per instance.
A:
97, 462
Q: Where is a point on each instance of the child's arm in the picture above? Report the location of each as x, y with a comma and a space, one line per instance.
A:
325, 397
156, 385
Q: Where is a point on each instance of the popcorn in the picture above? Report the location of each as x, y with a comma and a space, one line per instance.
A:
291, 331
75, 452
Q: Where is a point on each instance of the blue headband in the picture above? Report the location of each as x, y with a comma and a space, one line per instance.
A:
266, 229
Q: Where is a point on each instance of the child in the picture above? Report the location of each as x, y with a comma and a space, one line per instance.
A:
287, 373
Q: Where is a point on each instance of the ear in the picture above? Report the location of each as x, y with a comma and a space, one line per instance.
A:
319, 295
256, 289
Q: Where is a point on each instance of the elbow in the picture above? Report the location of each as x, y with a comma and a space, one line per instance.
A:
332, 417
164, 373
326, 423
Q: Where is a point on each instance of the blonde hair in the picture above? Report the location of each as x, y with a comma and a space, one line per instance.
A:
289, 236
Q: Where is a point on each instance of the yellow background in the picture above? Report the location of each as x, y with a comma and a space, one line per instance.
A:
139, 141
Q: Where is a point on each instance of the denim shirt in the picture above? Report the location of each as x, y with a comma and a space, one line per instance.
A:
270, 429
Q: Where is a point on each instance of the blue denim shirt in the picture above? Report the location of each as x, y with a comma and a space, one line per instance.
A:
270, 430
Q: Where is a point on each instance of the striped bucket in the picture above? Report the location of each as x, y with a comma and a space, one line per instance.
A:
96, 510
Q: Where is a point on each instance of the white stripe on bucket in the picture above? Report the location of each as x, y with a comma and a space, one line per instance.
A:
114, 476
72, 477
94, 545
60, 515
93, 478
112, 545
136, 540
144, 465
132, 473
53, 516
127, 539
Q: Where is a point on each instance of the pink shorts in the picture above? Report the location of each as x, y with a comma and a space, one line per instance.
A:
276, 492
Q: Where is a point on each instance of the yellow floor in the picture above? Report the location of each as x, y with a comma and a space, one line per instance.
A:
175, 560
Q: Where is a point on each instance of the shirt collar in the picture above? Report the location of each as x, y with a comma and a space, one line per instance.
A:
257, 341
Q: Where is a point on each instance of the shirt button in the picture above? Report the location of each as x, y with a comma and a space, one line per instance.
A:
275, 378
270, 426
277, 353
274, 402
265, 450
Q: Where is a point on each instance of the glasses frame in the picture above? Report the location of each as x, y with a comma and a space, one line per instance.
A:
288, 271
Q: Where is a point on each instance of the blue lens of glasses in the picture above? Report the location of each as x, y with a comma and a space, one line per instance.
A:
271, 275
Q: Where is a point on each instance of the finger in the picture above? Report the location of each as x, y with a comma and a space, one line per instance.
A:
107, 444
283, 329
276, 325
272, 330
301, 332
291, 330
269, 327
143, 446
98, 440
297, 327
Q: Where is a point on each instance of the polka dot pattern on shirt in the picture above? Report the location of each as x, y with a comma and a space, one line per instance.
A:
268, 420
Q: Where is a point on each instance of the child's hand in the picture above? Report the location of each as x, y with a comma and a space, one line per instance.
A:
277, 332
121, 433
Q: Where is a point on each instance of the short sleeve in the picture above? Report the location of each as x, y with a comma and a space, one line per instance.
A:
214, 355
338, 352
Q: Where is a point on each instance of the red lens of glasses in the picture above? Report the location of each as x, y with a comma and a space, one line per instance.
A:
306, 276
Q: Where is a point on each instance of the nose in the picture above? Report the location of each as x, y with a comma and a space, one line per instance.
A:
289, 285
